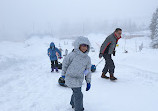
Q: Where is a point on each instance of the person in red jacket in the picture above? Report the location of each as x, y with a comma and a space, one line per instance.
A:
108, 48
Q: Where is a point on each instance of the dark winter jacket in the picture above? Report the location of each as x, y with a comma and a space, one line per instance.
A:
52, 52
108, 45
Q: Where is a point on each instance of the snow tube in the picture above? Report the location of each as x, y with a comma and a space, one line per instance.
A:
61, 82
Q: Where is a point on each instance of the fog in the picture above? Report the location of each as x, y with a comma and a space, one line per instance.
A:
21, 18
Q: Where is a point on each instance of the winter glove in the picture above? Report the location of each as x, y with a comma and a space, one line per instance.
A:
100, 55
114, 53
86, 72
60, 57
63, 77
88, 86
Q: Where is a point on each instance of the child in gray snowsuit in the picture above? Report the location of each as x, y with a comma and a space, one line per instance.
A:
76, 66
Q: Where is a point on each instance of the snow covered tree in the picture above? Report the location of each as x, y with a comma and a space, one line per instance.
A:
154, 29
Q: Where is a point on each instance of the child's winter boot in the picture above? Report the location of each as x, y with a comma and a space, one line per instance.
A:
56, 68
52, 69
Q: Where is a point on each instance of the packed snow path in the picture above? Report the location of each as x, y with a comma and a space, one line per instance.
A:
26, 83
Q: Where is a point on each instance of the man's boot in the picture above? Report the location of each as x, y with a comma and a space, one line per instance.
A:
104, 76
112, 77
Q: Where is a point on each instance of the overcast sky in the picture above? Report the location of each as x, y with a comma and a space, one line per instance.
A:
19, 15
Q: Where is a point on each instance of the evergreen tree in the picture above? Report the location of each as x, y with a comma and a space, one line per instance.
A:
154, 29
153, 24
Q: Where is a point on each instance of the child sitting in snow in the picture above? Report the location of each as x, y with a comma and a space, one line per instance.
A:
76, 65
53, 53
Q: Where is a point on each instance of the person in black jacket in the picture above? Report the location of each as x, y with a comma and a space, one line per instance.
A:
108, 48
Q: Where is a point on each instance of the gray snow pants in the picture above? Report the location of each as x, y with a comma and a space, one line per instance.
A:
77, 99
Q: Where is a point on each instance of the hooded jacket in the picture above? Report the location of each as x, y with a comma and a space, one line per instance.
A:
52, 52
75, 63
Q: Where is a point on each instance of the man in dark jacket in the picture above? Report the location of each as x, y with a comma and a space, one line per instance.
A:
108, 48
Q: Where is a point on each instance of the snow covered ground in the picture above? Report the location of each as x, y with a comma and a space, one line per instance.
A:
26, 83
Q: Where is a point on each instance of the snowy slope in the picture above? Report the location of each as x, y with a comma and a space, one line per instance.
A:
26, 83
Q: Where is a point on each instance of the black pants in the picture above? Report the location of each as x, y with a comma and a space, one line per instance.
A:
54, 64
109, 64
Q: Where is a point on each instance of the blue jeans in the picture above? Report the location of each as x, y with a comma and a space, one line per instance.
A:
77, 99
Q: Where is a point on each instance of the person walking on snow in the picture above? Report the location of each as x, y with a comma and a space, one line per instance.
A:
66, 52
54, 53
108, 48
76, 66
